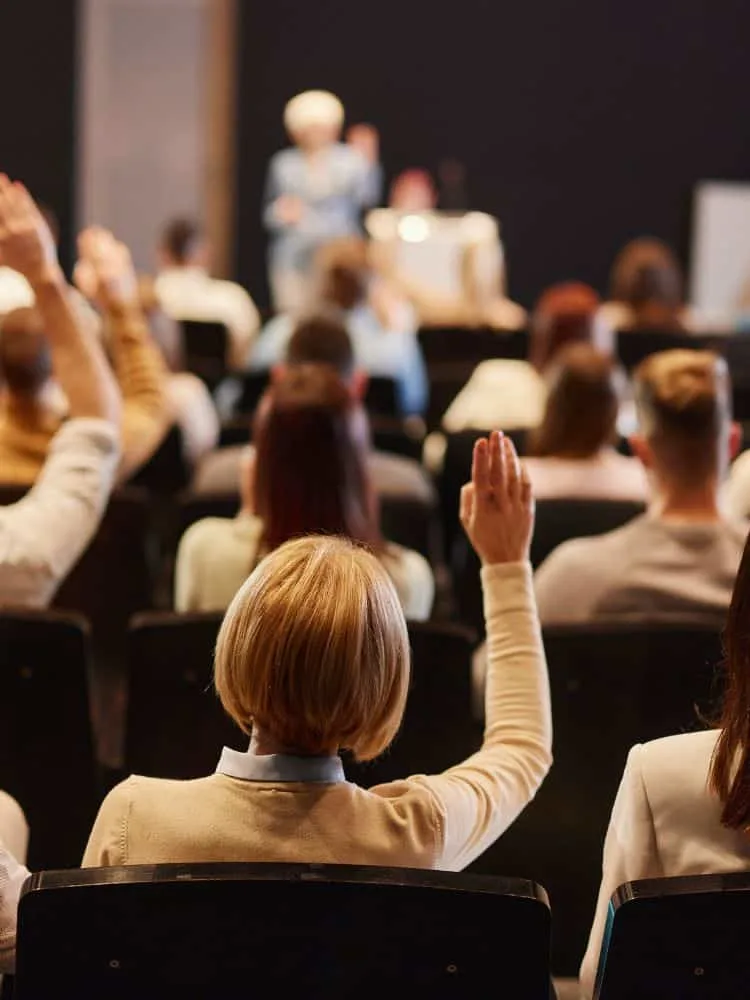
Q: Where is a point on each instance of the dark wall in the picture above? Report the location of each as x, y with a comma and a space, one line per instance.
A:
37, 83
582, 123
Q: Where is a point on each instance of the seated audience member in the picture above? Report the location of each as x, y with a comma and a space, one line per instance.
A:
308, 475
44, 535
382, 327
313, 657
736, 497
187, 291
572, 449
454, 275
512, 394
14, 838
646, 289
683, 806
678, 561
31, 406
323, 340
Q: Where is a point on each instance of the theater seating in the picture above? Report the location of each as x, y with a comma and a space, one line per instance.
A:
46, 745
205, 346
611, 687
634, 346
677, 937
225, 932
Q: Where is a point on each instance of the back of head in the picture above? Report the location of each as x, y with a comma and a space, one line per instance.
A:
311, 474
342, 269
182, 241
25, 360
565, 314
581, 412
647, 277
322, 339
683, 399
314, 650
413, 191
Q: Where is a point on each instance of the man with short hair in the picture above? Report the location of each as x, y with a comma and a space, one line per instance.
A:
186, 291
678, 561
323, 339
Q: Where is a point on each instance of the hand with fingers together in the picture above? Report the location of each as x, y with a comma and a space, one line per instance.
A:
497, 506
104, 272
26, 243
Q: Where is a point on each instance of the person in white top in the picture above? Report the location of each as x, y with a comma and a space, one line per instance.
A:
512, 394
678, 561
572, 453
14, 840
308, 474
186, 291
683, 807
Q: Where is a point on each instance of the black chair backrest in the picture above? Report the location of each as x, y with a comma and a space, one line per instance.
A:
440, 690
612, 687
205, 347
559, 520
46, 746
175, 726
381, 398
634, 346
224, 932
401, 437
167, 471
680, 937
113, 578
443, 345
252, 387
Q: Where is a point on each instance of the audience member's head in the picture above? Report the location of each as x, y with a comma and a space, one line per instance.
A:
413, 191
647, 278
311, 474
565, 314
322, 339
313, 653
342, 273
686, 436
314, 119
25, 359
183, 244
581, 414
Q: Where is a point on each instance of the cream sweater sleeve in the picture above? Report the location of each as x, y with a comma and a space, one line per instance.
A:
479, 799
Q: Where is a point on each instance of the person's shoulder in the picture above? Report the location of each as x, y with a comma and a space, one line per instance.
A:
406, 561
284, 157
675, 766
400, 477
207, 533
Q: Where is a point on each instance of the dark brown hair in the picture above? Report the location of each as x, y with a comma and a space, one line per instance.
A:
683, 399
180, 239
344, 271
647, 278
581, 412
311, 473
564, 314
25, 359
730, 767
322, 339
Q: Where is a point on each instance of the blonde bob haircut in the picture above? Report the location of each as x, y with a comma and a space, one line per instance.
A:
314, 650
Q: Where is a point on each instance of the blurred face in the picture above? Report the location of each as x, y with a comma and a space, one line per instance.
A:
316, 136
413, 194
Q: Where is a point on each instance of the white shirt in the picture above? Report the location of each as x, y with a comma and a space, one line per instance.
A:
737, 488
14, 838
15, 291
500, 393
190, 293
43, 535
664, 822
606, 476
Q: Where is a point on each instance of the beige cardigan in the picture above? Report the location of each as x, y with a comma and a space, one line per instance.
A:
440, 821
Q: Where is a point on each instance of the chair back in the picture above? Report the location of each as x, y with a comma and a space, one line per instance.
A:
381, 398
634, 346
612, 687
325, 932
559, 520
175, 725
680, 937
167, 471
46, 745
252, 387
440, 690
205, 348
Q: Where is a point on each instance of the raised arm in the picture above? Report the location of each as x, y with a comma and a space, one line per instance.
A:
106, 275
480, 798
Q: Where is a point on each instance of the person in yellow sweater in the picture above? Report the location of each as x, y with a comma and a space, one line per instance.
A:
32, 407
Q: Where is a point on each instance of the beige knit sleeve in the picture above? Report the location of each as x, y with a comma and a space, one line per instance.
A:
479, 799
107, 844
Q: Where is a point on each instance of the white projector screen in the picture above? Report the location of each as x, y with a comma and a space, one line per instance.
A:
720, 272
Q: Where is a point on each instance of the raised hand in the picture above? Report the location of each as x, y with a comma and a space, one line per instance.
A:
26, 243
104, 272
366, 139
497, 506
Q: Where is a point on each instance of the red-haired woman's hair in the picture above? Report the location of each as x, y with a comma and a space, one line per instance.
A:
730, 767
311, 473
564, 314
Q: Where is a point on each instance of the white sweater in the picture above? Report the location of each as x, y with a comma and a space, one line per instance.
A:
440, 821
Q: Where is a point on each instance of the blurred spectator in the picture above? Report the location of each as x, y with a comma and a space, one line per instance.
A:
316, 191
14, 838
382, 327
573, 447
512, 394
646, 289
308, 475
324, 340
449, 265
186, 290
32, 407
678, 561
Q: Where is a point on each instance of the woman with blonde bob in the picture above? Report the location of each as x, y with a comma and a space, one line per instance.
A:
313, 658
